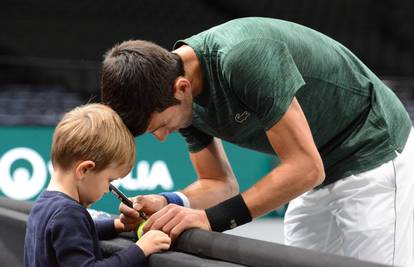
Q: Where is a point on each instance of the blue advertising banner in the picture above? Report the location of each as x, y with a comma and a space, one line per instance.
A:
25, 166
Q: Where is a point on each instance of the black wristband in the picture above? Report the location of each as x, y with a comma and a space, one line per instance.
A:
228, 214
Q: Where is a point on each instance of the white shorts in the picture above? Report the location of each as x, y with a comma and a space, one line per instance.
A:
369, 216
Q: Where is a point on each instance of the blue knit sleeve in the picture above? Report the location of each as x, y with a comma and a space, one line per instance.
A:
74, 240
105, 229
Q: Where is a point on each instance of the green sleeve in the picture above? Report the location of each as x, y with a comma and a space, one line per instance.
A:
264, 76
196, 139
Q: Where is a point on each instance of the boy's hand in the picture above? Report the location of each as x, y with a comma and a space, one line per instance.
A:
148, 203
120, 227
129, 218
154, 241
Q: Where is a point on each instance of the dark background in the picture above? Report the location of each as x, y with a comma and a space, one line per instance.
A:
58, 45
50, 51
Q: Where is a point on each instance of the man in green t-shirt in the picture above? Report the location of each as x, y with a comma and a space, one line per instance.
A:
284, 89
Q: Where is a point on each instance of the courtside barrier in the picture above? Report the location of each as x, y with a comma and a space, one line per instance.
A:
13, 218
12, 231
193, 248
252, 252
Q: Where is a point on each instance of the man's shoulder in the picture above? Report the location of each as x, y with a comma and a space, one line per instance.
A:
231, 33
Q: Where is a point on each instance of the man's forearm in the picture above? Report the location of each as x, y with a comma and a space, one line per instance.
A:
206, 192
281, 185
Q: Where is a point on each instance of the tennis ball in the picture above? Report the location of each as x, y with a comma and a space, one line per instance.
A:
140, 228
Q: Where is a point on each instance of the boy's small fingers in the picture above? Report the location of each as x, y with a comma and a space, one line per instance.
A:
127, 220
166, 246
167, 240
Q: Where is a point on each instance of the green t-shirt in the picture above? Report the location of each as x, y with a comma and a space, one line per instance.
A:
253, 67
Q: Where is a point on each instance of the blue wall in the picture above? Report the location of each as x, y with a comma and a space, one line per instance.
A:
25, 166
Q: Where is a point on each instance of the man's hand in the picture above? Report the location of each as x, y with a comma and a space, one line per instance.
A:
174, 219
148, 203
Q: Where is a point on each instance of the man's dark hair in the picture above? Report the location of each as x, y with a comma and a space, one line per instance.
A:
137, 80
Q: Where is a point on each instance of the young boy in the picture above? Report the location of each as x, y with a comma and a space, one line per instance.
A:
91, 147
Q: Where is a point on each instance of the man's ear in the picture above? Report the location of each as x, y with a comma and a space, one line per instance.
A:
182, 86
83, 167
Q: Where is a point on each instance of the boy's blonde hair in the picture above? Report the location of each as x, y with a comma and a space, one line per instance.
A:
92, 132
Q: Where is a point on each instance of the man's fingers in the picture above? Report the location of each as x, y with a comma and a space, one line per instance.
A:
178, 229
173, 220
169, 225
165, 218
137, 202
183, 219
149, 223
155, 218
128, 212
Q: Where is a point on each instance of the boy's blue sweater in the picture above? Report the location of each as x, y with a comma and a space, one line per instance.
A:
60, 232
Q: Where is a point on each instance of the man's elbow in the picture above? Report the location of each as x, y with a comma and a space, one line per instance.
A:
233, 187
320, 178
317, 175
